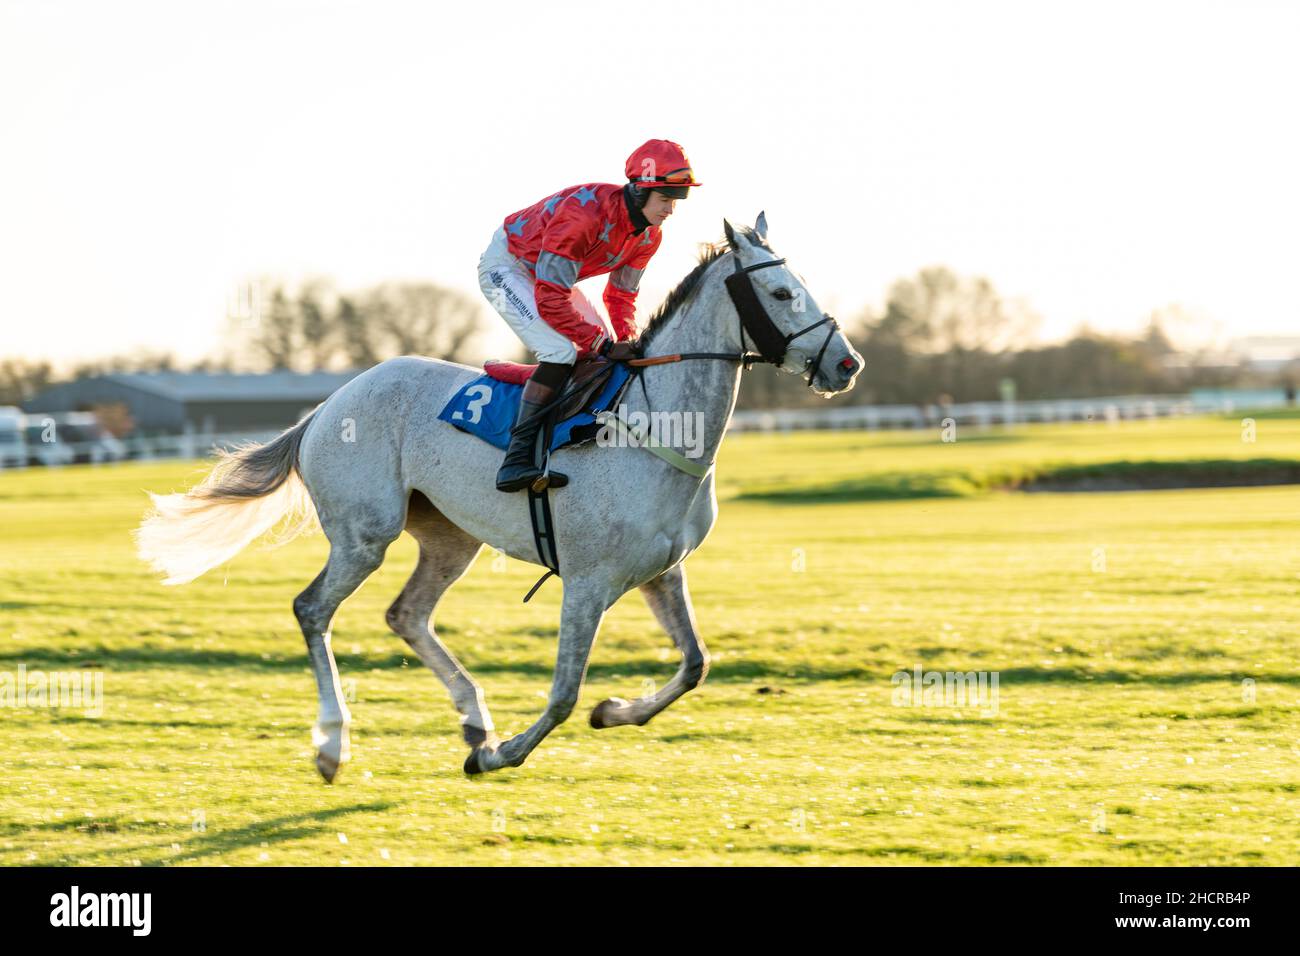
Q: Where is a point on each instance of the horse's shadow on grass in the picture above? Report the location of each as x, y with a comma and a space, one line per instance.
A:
721, 672
215, 843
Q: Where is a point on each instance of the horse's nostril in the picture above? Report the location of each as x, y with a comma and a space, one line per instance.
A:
848, 366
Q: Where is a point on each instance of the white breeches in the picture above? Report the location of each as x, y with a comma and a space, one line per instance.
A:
508, 284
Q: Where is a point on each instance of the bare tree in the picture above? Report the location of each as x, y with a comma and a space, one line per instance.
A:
275, 338
316, 304
316, 327
141, 361
411, 319
939, 312
21, 379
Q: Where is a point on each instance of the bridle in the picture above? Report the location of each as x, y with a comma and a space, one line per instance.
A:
772, 344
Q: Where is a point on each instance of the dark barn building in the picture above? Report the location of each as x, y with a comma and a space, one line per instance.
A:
169, 402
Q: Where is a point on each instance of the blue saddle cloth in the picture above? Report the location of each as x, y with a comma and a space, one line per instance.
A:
487, 409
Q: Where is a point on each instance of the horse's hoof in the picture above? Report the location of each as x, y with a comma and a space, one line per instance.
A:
328, 767
600, 714
472, 767
333, 749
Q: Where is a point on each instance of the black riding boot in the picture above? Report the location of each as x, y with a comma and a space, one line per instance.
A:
519, 469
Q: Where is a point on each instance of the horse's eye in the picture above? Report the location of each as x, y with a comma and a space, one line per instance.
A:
782, 294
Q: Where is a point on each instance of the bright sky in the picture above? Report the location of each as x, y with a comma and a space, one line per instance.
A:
1097, 160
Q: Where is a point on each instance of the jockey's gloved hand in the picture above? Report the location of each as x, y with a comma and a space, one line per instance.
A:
620, 351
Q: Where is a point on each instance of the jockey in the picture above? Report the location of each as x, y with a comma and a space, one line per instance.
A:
535, 258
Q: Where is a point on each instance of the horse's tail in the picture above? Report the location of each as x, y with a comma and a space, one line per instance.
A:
247, 493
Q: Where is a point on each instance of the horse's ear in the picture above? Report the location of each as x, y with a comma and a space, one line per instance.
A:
730, 234
760, 225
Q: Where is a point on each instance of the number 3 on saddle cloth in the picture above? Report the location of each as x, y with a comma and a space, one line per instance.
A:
488, 406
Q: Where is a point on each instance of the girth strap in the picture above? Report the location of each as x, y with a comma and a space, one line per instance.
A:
539, 512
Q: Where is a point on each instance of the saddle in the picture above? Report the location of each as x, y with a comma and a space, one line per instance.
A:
488, 406
588, 375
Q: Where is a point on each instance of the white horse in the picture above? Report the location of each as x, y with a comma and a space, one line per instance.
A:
376, 460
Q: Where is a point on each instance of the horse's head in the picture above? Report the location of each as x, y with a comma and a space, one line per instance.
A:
780, 318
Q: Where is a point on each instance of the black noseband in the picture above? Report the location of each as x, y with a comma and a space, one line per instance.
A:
767, 338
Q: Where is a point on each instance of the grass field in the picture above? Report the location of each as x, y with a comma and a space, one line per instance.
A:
1124, 629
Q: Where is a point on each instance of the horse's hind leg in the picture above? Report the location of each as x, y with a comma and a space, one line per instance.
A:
671, 604
446, 552
354, 554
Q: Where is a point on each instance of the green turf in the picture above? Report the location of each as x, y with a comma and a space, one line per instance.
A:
867, 466
1122, 627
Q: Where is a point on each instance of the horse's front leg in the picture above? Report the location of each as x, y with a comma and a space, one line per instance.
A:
671, 604
584, 606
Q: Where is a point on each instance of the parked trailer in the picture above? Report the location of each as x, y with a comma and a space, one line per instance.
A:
13, 447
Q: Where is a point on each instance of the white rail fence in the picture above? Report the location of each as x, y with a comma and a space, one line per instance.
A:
989, 414
190, 444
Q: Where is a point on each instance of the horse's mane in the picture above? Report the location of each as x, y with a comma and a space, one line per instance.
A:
710, 252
